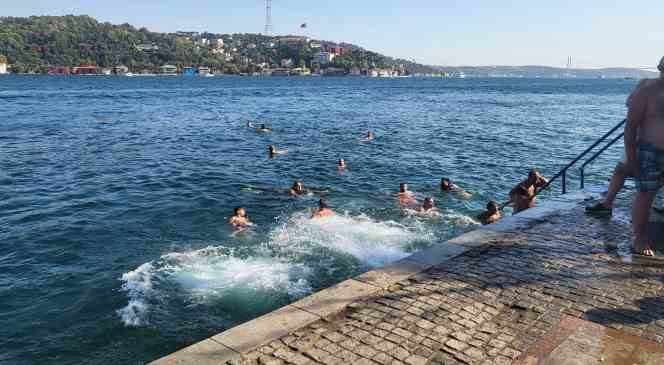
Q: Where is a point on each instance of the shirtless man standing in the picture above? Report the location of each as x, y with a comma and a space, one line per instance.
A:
645, 157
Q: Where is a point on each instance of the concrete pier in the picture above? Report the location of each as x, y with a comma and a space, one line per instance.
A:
551, 285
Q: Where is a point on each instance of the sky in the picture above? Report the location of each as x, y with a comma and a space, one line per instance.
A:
595, 33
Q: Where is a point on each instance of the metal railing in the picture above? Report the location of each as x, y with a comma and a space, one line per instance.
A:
563, 172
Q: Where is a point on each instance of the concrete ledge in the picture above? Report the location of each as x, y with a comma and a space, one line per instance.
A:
264, 329
333, 300
230, 344
393, 273
206, 352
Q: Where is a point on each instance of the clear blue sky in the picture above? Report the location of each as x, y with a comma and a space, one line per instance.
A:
595, 33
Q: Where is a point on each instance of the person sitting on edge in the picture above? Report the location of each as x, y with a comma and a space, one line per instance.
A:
447, 185
297, 189
491, 215
239, 220
428, 206
342, 164
323, 210
273, 151
523, 195
405, 196
369, 137
645, 154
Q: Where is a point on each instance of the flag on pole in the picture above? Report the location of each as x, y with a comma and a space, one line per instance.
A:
303, 25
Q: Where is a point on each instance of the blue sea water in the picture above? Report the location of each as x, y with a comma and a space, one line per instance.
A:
115, 193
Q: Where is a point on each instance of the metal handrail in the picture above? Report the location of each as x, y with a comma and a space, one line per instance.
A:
563, 171
597, 154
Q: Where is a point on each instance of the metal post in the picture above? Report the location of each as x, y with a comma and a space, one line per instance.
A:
564, 181
582, 179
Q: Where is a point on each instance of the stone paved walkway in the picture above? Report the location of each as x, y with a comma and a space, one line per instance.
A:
502, 303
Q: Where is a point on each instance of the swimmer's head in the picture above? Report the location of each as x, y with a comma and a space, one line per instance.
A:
445, 183
322, 204
272, 149
263, 126
403, 188
492, 207
298, 186
534, 175
240, 212
369, 134
428, 203
342, 162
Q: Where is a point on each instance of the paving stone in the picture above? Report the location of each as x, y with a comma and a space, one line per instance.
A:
491, 302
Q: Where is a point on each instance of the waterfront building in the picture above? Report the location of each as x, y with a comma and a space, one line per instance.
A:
301, 71
323, 58
86, 70
168, 70
120, 70
204, 71
58, 70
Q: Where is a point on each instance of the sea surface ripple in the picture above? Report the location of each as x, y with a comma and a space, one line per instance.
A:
115, 193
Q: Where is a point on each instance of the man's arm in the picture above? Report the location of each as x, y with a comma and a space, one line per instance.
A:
636, 111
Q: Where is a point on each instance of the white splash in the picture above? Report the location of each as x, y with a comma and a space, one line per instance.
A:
205, 276
373, 243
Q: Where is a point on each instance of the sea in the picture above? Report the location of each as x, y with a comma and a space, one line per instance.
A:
115, 193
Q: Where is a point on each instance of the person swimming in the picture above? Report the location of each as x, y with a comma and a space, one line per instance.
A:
405, 196
298, 189
240, 220
262, 128
342, 164
491, 215
428, 206
447, 185
323, 210
370, 137
273, 151
523, 194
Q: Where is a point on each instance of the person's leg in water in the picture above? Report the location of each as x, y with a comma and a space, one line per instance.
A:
616, 184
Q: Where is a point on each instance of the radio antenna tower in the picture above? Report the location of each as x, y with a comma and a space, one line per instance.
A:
268, 17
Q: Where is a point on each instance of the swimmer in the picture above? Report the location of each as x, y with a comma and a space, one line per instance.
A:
447, 185
428, 206
370, 136
342, 164
405, 196
491, 215
263, 129
239, 220
273, 151
323, 210
297, 189
523, 194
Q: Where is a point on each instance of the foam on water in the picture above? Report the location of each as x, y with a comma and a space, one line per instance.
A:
372, 243
208, 276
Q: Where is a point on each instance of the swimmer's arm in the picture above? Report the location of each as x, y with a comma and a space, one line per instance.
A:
635, 115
